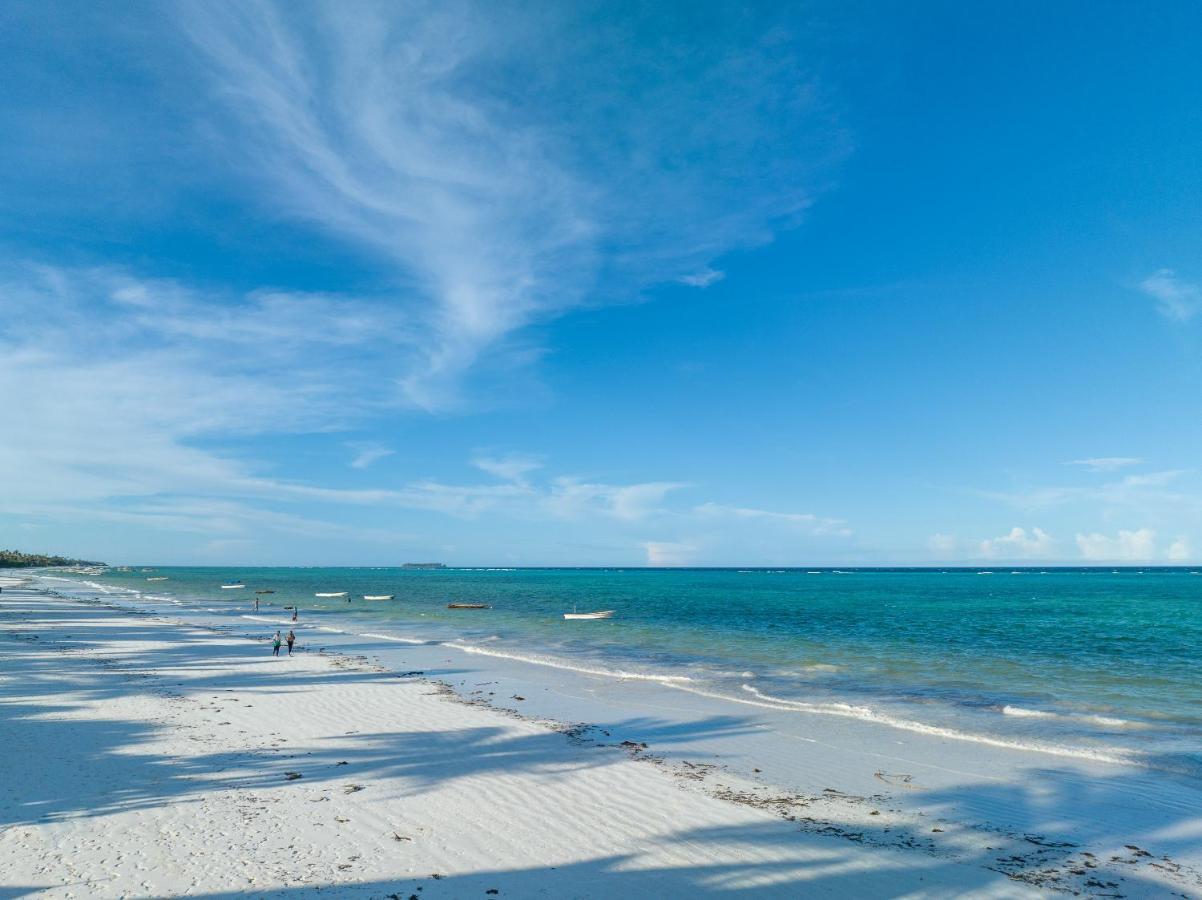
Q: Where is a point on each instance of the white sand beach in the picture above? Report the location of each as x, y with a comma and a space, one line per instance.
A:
151, 757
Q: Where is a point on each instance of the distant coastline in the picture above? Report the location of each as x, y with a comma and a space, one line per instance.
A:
15, 559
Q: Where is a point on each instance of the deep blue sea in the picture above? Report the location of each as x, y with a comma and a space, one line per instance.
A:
1093, 661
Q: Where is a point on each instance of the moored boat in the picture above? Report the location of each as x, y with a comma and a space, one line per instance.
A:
468, 606
231, 587
332, 594
379, 596
602, 614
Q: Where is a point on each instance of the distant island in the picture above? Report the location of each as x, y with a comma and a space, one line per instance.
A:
15, 559
423, 566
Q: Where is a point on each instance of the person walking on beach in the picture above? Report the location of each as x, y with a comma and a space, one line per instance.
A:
275, 645
291, 640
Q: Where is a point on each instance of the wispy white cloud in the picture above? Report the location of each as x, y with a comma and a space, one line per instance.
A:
570, 498
367, 453
1019, 544
943, 545
1141, 491
669, 553
1176, 298
814, 524
1126, 546
1107, 463
120, 414
400, 129
513, 467
1179, 550
702, 279
125, 422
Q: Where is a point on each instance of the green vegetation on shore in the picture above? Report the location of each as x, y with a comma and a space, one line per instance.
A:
15, 559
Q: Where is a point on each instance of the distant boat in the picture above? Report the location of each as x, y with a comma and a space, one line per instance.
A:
332, 594
379, 596
231, 587
268, 591
603, 614
158, 578
468, 606
423, 566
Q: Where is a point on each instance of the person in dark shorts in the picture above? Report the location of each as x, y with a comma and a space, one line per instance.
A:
291, 639
275, 645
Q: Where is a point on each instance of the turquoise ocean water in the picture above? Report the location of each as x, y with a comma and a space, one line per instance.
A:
1091, 661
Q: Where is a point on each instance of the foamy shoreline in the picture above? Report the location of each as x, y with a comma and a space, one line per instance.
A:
147, 744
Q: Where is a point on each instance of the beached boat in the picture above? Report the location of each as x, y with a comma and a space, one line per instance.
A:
468, 606
379, 596
332, 594
603, 614
231, 587
158, 578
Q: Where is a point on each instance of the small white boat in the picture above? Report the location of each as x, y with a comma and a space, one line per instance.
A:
379, 596
231, 587
159, 578
332, 594
603, 614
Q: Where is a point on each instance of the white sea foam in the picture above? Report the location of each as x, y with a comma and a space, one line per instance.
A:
390, 637
569, 667
1024, 713
1110, 721
103, 588
1104, 721
867, 714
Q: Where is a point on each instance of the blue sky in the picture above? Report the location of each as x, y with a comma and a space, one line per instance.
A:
608, 284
